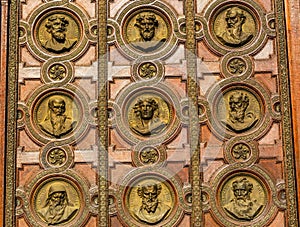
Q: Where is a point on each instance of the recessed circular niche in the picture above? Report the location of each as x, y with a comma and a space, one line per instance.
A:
47, 197
150, 200
234, 25
58, 32
57, 114
146, 30
243, 197
238, 109
148, 114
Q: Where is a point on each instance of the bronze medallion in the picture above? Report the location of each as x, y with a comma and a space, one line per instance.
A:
147, 70
148, 115
236, 66
146, 31
150, 201
57, 202
234, 26
58, 32
238, 110
243, 197
241, 152
57, 115
149, 155
57, 72
56, 157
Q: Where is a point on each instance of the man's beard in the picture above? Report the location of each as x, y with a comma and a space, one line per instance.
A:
59, 36
235, 30
237, 115
147, 34
56, 211
150, 206
58, 123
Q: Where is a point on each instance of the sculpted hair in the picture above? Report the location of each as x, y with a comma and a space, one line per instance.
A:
148, 16
52, 18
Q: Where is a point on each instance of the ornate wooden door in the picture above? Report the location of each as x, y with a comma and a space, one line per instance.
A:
148, 113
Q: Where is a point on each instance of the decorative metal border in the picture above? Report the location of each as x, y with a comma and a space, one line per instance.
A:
102, 163
11, 124
194, 129
287, 133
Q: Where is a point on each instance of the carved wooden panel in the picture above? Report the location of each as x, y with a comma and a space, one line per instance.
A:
149, 113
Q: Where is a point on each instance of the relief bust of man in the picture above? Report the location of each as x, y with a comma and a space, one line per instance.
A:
56, 122
57, 209
242, 206
152, 210
147, 23
234, 34
56, 26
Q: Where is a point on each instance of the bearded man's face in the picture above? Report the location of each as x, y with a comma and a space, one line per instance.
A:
150, 200
147, 29
58, 30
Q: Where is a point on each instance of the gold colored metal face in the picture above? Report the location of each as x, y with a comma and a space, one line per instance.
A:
148, 115
243, 198
58, 33
150, 201
146, 31
234, 26
239, 110
57, 115
57, 202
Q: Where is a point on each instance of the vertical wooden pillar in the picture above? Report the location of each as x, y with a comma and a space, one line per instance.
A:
293, 28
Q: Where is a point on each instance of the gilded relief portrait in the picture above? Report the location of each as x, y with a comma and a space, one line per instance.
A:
57, 202
150, 202
146, 31
58, 33
57, 116
243, 198
239, 110
148, 115
234, 26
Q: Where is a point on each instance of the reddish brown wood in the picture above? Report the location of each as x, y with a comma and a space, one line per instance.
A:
293, 27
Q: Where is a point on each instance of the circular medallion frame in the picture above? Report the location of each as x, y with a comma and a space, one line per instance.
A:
168, 192
59, 31
57, 157
137, 44
70, 111
39, 189
239, 109
248, 40
164, 122
252, 184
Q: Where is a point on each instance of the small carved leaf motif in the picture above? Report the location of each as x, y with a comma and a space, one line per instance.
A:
241, 151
